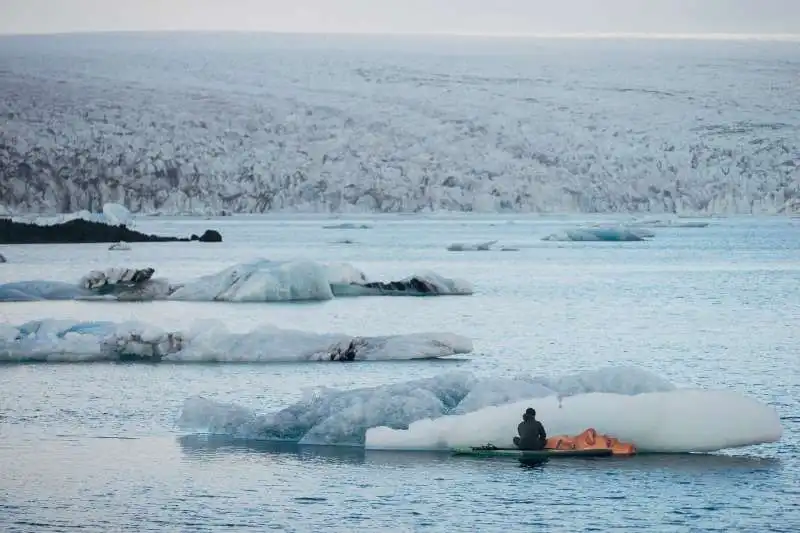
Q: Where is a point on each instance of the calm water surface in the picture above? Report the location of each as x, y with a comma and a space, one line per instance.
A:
95, 446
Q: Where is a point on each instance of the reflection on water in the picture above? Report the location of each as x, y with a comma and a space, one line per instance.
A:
210, 447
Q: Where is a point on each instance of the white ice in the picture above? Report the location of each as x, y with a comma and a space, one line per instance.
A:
113, 214
459, 408
599, 233
257, 281
262, 281
210, 341
684, 420
396, 125
120, 246
347, 225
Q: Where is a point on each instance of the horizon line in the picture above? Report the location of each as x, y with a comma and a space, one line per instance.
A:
710, 36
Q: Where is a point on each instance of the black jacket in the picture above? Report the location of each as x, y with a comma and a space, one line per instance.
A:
531, 435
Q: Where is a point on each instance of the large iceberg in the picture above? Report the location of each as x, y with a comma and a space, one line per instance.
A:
683, 420
208, 341
458, 408
257, 281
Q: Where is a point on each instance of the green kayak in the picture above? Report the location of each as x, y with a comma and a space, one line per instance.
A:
491, 451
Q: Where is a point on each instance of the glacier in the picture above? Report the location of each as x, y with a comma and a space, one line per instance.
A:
67, 341
261, 123
459, 408
260, 280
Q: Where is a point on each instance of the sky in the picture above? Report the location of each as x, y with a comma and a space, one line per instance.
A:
492, 17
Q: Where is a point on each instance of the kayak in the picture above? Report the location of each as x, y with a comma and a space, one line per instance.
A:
492, 451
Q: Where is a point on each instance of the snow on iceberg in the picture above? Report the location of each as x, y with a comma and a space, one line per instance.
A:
113, 214
460, 409
257, 281
602, 233
261, 281
208, 341
681, 420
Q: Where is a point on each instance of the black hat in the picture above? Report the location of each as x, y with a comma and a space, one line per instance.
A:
530, 411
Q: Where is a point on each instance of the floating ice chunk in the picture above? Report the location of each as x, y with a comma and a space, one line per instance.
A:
682, 420
97, 280
261, 281
604, 234
120, 246
423, 284
348, 225
126, 284
258, 281
65, 340
477, 247
333, 416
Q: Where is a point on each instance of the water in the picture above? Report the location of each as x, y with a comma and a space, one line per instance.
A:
95, 446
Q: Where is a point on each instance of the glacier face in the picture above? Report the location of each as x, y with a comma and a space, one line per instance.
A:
254, 123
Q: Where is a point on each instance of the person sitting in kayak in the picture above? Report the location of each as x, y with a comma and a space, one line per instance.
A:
531, 432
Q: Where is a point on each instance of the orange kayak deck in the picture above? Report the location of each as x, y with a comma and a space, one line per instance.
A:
590, 440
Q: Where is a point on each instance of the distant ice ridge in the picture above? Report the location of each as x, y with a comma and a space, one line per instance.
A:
604, 234
478, 247
555, 131
113, 214
209, 341
258, 281
458, 409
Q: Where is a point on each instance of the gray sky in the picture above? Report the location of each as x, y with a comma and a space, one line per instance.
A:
405, 16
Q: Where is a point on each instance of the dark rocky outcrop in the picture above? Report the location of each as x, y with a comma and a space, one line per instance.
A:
84, 231
414, 284
208, 235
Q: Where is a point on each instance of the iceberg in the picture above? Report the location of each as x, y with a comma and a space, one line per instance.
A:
257, 281
602, 233
478, 247
460, 409
209, 341
347, 225
120, 246
262, 281
421, 284
678, 421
